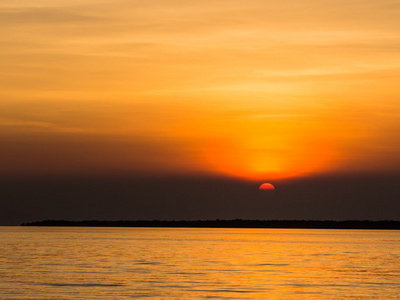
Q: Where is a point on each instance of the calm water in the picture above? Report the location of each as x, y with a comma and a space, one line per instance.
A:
187, 263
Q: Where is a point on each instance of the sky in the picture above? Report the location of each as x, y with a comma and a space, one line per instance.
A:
181, 109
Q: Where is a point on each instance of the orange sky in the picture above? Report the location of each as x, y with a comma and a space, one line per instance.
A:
250, 89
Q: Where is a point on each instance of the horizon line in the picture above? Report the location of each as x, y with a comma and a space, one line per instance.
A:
232, 223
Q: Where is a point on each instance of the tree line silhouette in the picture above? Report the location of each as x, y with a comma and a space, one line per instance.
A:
237, 223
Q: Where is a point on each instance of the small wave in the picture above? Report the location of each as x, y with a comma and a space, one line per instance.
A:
83, 284
277, 265
225, 291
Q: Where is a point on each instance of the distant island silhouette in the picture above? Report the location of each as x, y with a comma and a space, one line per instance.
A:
237, 223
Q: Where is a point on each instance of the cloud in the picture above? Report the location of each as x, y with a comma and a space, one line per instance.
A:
41, 16
28, 124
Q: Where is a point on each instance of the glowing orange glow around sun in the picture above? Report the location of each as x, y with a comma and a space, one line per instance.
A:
272, 148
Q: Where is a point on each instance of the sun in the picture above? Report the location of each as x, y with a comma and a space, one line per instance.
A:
266, 187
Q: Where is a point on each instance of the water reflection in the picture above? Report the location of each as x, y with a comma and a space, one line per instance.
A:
188, 263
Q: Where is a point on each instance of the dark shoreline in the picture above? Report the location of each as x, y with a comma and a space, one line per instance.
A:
238, 223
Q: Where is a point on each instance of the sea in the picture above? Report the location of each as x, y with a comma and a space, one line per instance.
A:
198, 263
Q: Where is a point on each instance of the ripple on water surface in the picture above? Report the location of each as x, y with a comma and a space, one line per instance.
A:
184, 263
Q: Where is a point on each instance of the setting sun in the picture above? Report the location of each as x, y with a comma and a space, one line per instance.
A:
266, 187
